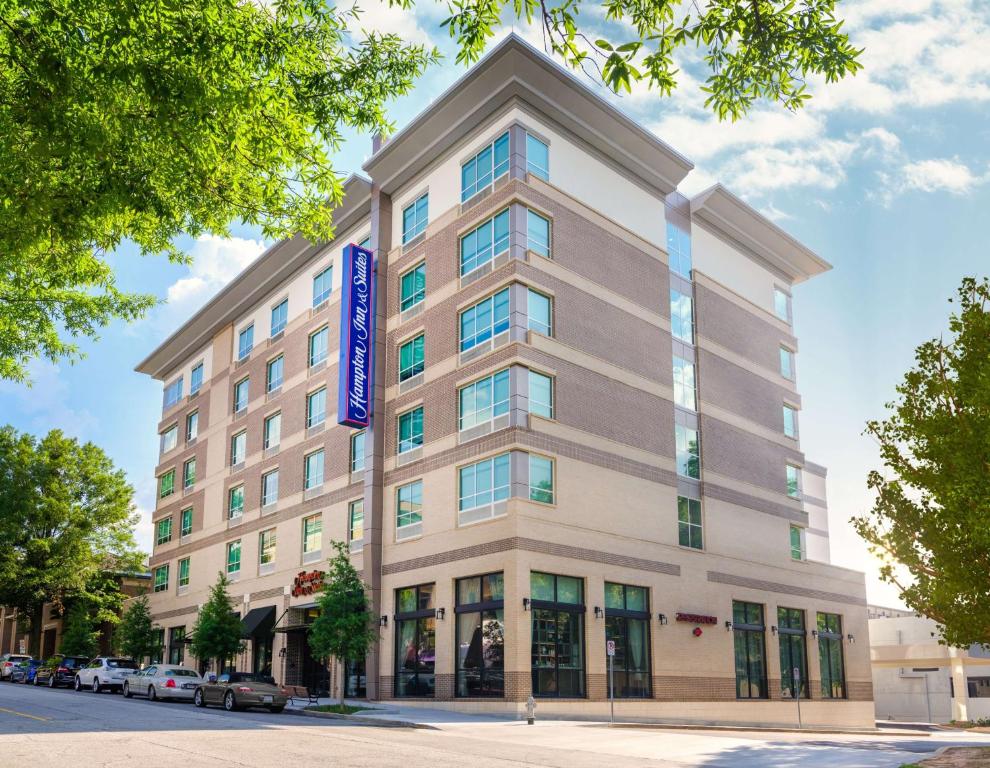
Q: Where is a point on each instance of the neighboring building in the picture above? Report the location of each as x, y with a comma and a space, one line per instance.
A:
13, 640
586, 422
916, 679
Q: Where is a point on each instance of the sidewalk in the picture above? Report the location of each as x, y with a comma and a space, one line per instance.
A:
394, 712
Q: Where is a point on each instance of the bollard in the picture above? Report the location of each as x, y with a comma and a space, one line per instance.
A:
530, 710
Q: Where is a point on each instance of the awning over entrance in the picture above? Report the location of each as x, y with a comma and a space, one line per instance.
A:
258, 622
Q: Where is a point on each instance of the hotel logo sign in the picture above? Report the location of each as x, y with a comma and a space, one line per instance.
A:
357, 338
307, 583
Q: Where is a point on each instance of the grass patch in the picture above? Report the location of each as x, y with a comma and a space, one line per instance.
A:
338, 709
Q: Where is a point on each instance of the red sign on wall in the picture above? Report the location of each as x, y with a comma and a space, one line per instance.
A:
696, 618
307, 583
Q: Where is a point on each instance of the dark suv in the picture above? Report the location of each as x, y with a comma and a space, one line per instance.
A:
59, 670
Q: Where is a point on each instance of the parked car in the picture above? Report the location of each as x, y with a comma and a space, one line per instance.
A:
59, 670
238, 690
105, 673
25, 671
8, 661
163, 681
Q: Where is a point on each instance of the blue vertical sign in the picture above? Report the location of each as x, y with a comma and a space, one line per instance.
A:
357, 338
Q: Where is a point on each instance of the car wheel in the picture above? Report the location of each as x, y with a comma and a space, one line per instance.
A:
228, 702
77, 685
35, 682
198, 699
276, 710
152, 696
96, 685
127, 691
51, 682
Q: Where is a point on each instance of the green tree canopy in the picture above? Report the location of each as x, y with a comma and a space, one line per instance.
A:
144, 121
66, 523
931, 517
136, 637
80, 637
217, 633
344, 629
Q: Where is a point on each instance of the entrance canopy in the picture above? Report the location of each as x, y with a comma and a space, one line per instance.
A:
258, 622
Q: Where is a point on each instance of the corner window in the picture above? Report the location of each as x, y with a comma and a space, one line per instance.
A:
280, 317
485, 242
688, 455
273, 430
186, 522
679, 250
196, 379
540, 395
184, 572
355, 521
357, 451
163, 531
790, 421
412, 287
539, 313
684, 388
480, 636
537, 157
830, 662
234, 557
169, 439
483, 401
793, 482
786, 363
540, 479
782, 304
192, 426
312, 534
241, 389
318, 346
238, 448
681, 318
485, 319
316, 407
481, 171
415, 217
274, 373
269, 488
410, 430
483, 483
322, 286
313, 466
235, 502
537, 233
189, 473
797, 543
245, 342
161, 578
412, 358
409, 504
689, 523
173, 393
166, 484
267, 541
749, 641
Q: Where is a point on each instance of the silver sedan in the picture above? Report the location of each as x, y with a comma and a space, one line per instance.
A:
163, 682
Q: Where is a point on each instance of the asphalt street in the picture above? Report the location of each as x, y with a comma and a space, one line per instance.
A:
41, 728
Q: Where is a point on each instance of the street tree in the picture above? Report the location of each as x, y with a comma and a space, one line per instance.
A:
80, 637
343, 630
217, 632
136, 637
931, 516
67, 525
141, 122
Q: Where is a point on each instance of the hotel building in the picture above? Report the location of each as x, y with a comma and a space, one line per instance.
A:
586, 428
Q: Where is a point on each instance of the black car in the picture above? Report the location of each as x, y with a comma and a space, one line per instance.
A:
59, 670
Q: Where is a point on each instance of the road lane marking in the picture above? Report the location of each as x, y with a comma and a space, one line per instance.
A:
24, 714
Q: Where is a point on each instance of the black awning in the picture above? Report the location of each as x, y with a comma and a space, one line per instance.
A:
258, 622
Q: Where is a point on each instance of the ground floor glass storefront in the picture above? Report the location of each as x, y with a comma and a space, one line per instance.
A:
415, 641
557, 604
481, 636
627, 622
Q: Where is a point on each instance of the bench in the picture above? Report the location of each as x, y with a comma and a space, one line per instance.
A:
299, 692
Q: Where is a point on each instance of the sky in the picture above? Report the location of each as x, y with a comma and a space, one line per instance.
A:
886, 175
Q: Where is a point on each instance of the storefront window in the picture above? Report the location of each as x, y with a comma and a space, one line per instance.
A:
481, 636
793, 651
627, 622
176, 645
558, 635
415, 641
830, 660
749, 634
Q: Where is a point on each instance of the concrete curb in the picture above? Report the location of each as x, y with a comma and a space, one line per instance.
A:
360, 720
751, 729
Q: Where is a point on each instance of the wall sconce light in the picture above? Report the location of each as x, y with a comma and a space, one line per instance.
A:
439, 613
662, 618
599, 613
383, 621
814, 633
728, 626
525, 603
850, 638
282, 652
773, 631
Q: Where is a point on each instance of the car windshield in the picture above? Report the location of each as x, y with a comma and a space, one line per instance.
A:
121, 664
180, 673
250, 677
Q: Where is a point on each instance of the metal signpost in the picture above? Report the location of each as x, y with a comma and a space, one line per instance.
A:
610, 652
797, 692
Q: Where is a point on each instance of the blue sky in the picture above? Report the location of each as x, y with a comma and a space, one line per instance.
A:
886, 175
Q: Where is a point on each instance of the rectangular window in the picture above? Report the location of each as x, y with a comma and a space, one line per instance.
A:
234, 557
355, 520
410, 430
480, 639
485, 319
793, 653
684, 388
192, 426
537, 157
782, 304
688, 454
313, 470
797, 543
186, 521
412, 358
184, 572
748, 634
280, 317
166, 484
266, 547
557, 657
322, 286
539, 311
485, 242
235, 502
412, 288
537, 233
627, 624
273, 430
483, 401
787, 363
196, 379
793, 482
415, 217
681, 317
483, 483
316, 407
679, 250
238, 448
163, 533
689, 523
318, 346
790, 421
189, 473
241, 395
269, 488
415, 641
830, 662
357, 451
274, 373
978, 687
156, 656
161, 578
176, 645
312, 534
484, 168
540, 395
409, 504
245, 342
169, 439
173, 393
540, 479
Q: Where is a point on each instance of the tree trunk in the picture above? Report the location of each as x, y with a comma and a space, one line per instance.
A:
343, 682
34, 635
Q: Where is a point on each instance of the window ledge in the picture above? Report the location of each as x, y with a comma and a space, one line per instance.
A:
276, 337
357, 476
182, 590
408, 457
312, 493
271, 451
317, 367
411, 531
411, 383
312, 557
271, 506
236, 467
266, 568
356, 546
235, 521
235, 576
316, 428
482, 514
413, 242
413, 311
271, 394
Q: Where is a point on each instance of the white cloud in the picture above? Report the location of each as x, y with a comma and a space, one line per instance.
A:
413, 25
215, 262
43, 405
940, 176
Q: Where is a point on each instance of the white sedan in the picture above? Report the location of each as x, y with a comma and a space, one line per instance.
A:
103, 673
163, 681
